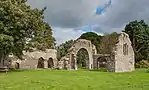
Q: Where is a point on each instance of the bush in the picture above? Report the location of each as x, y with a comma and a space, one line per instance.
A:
147, 70
142, 64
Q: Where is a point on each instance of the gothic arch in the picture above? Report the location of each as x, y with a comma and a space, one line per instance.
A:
82, 62
40, 63
50, 63
17, 65
79, 44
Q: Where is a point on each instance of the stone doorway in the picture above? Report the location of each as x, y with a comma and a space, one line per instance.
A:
101, 63
17, 65
82, 59
40, 63
50, 63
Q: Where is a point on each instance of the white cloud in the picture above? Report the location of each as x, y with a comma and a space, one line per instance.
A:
64, 34
71, 14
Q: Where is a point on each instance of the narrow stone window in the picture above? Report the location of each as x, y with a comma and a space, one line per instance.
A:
3, 62
125, 49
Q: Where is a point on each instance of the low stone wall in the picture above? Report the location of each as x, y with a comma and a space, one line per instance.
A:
31, 59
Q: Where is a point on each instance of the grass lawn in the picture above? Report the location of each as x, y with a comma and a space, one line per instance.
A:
73, 80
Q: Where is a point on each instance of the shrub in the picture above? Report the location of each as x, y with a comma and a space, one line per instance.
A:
142, 64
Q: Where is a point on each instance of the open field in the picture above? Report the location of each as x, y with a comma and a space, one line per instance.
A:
73, 80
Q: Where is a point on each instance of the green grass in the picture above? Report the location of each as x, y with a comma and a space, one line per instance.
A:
73, 80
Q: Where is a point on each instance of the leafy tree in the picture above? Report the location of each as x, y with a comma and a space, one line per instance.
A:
42, 41
20, 24
108, 43
62, 49
139, 36
93, 37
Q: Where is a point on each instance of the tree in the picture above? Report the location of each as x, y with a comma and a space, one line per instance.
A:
138, 32
20, 24
42, 41
108, 42
62, 49
93, 37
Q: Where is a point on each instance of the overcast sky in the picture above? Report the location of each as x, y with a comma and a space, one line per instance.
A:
70, 18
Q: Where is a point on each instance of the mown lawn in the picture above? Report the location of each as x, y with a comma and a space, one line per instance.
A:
73, 80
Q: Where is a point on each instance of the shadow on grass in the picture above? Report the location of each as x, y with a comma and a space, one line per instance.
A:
100, 70
12, 70
18, 70
142, 70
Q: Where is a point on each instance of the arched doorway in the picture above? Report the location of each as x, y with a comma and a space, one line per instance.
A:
101, 63
73, 51
17, 65
40, 63
82, 58
50, 63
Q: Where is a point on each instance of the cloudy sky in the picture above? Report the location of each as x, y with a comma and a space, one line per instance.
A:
70, 18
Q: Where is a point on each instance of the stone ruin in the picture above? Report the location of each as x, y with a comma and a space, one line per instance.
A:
120, 60
36, 59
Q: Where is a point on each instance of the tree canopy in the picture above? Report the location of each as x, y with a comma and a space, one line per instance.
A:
20, 24
138, 32
62, 49
108, 42
93, 37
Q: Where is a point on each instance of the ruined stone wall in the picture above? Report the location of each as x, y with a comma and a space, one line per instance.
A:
64, 63
110, 61
124, 56
31, 59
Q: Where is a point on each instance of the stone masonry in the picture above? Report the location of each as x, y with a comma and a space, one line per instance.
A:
31, 59
120, 60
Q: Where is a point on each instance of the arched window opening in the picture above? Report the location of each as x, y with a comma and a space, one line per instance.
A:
17, 65
50, 63
40, 63
125, 49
